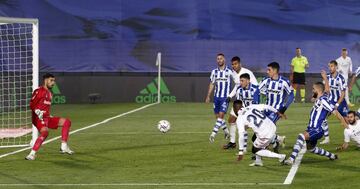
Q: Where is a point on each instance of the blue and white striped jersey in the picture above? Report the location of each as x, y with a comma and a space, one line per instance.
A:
319, 112
337, 84
222, 81
248, 96
276, 91
357, 72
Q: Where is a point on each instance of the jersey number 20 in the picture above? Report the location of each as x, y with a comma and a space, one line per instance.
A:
257, 117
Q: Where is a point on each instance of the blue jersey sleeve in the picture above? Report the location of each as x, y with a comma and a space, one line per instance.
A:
256, 99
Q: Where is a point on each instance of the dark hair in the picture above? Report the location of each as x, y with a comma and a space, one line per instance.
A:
237, 102
235, 58
352, 112
237, 105
321, 85
48, 75
245, 75
344, 49
297, 47
333, 62
220, 54
274, 65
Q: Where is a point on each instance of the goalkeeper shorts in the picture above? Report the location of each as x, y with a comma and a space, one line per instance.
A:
49, 122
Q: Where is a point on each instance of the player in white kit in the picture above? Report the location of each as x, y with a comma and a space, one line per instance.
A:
345, 69
254, 117
351, 133
238, 70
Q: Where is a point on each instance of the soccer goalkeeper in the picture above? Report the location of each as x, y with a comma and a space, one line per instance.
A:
40, 106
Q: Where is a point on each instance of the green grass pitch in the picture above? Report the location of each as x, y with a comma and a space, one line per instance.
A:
130, 149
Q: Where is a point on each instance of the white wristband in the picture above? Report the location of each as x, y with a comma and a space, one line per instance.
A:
337, 104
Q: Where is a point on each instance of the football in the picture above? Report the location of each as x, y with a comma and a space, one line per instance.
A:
163, 126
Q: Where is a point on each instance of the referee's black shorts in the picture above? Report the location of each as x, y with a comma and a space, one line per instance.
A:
299, 78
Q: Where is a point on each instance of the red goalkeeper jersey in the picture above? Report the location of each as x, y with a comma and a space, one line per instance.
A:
41, 99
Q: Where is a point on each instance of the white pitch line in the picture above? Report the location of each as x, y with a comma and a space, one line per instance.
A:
291, 175
147, 133
84, 128
151, 184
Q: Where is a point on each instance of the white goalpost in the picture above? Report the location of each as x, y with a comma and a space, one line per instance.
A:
158, 63
19, 76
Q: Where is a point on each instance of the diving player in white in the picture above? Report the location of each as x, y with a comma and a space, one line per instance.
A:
253, 117
351, 133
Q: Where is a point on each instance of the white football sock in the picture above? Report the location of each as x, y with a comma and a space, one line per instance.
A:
258, 159
32, 152
232, 129
63, 145
268, 153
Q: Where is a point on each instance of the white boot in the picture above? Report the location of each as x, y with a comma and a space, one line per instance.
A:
31, 156
64, 149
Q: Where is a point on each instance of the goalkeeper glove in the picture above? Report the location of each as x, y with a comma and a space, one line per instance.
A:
39, 113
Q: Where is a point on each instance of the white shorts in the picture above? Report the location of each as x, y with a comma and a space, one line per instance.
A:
232, 112
262, 143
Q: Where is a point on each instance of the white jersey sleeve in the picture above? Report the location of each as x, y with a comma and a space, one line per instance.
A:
347, 135
253, 79
236, 82
241, 126
233, 92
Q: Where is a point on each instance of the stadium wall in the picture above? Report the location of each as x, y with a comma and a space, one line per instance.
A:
142, 87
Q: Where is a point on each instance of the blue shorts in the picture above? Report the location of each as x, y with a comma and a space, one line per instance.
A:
220, 105
343, 108
274, 117
315, 134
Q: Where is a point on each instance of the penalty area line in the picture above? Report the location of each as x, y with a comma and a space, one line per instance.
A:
83, 128
294, 168
149, 184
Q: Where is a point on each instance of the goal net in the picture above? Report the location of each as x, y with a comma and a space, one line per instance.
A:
19, 67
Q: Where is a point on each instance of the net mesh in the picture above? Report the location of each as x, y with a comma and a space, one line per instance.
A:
16, 57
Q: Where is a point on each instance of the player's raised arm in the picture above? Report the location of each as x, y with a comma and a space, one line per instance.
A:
325, 81
341, 119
